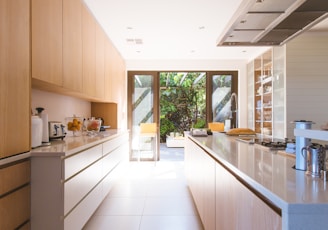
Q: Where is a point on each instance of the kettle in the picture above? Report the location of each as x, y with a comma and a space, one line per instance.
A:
316, 159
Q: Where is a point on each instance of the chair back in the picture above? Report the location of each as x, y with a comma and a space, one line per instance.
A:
148, 127
216, 126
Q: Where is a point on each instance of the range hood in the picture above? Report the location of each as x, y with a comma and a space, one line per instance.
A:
272, 22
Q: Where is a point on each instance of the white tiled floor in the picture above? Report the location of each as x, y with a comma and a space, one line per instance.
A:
149, 197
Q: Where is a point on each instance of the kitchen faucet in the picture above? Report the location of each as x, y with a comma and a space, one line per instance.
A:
235, 110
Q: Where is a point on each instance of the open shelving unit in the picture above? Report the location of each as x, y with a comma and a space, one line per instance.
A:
263, 99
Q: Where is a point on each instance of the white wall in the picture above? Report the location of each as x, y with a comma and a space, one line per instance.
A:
58, 106
307, 79
201, 65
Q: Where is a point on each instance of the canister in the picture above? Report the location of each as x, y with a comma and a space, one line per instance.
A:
36, 131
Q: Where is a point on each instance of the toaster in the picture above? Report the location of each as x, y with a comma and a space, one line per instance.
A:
56, 130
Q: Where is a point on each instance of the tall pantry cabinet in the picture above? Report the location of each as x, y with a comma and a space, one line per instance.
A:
15, 114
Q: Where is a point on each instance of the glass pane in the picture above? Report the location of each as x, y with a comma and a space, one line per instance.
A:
224, 103
182, 102
142, 106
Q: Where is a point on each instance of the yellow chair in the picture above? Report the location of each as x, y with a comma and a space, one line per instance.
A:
216, 126
148, 131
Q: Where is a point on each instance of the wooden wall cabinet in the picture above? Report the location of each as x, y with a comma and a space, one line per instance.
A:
47, 42
15, 83
72, 45
15, 113
89, 52
100, 62
71, 53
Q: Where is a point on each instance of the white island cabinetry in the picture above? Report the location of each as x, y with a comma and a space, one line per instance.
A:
68, 185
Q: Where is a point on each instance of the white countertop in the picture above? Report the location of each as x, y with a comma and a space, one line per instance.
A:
71, 144
269, 173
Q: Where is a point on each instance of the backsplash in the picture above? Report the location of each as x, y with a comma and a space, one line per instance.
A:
59, 106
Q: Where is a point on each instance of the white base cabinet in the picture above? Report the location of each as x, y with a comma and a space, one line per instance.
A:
66, 191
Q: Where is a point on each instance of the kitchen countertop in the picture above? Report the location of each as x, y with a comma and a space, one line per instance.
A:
271, 174
71, 144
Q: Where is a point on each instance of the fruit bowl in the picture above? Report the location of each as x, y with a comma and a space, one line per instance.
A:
93, 125
74, 125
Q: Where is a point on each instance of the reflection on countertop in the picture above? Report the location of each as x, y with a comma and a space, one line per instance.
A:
73, 144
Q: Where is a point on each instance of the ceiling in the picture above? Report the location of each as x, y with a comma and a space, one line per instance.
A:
172, 29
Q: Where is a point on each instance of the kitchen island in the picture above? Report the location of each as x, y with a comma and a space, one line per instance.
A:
237, 185
70, 178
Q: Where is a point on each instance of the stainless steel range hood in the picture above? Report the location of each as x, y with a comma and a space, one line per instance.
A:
272, 22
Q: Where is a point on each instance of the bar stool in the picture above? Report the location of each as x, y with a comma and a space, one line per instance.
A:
148, 131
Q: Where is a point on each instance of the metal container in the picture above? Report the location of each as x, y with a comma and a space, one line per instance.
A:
36, 131
316, 159
301, 142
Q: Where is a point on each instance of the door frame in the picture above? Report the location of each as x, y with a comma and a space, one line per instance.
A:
130, 91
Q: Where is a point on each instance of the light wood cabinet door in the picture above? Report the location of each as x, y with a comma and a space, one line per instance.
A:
109, 73
237, 207
89, 52
15, 195
100, 62
72, 45
47, 45
225, 199
14, 77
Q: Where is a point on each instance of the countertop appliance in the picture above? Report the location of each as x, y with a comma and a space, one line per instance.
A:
57, 130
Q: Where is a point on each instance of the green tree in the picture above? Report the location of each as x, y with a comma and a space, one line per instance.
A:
182, 102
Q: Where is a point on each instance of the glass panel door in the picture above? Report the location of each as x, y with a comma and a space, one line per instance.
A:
224, 98
142, 108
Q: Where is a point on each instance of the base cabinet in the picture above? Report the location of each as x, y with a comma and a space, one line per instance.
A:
15, 195
223, 202
239, 208
67, 190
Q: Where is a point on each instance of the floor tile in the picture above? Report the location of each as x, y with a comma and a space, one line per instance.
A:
168, 206
170, 223
114, 223
121, 206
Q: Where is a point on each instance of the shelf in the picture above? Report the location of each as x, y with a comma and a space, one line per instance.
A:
313, 134
267, 80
